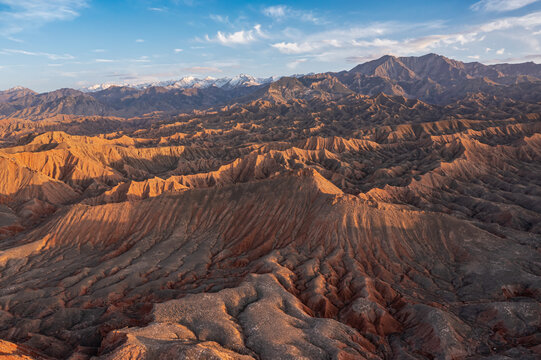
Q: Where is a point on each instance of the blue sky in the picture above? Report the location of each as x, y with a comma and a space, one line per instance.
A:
49, 44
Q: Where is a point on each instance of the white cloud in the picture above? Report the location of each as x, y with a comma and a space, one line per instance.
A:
178, 51
22, 14
377, 42
41, 54
336, 38
527, 21
241, 37
387, 38
370, 37
281, 12
139, 40
294, 64
500, 52
219, 18
294, 48
501, 5
277, 11
427, 43
142, 59
158, 9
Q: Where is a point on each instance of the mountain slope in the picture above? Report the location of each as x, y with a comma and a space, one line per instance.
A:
431, 78
297, 219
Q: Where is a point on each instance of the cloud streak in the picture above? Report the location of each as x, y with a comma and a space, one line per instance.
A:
282, 12
295, 63
40, 54
241, 37
386, 38
158, 9
23, 14
501, 5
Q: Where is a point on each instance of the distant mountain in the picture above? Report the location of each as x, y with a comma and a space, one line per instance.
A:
440, 69
431, 78
27, 104
15, 93
127, 102
191, 82
434, 78
320, 86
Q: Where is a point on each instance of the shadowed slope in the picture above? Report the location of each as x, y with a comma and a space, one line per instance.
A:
327, 255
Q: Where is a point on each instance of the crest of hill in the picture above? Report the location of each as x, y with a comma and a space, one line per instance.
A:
15, 93
432, 78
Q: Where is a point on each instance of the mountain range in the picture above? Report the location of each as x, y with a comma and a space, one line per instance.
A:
431, 78
392, 211
190, 82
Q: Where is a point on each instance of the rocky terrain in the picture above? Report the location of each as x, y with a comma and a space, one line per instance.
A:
392, 211
431, 78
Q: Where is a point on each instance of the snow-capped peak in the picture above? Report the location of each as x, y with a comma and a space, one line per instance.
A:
17, 88
241, 80
99, 87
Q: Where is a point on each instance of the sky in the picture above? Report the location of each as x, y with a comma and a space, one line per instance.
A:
51, 44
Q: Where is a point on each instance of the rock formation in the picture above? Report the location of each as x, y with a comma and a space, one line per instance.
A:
306, 221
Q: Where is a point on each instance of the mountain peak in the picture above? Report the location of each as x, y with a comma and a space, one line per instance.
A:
387, 66
15, 93
190, 81
18, 89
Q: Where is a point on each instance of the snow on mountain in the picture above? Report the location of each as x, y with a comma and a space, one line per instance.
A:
193, 82
99, 87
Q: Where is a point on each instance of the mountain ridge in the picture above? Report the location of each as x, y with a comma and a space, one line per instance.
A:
189, 82
431, 78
